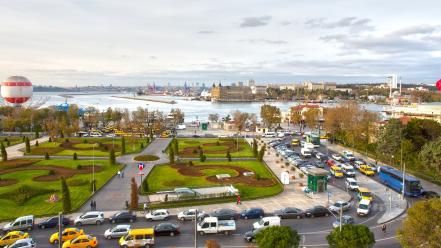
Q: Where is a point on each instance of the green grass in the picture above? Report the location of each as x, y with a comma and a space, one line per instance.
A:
89, 148
164, 177
37, 204
13, 140
210, 150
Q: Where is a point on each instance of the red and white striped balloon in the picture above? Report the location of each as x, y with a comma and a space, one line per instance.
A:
16, 89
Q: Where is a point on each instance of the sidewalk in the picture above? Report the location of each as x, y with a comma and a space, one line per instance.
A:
16, 151
394, 204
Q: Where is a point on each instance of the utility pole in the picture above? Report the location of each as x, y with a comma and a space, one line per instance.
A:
341, 215
196, 229
93, 169
60, 241
404, 185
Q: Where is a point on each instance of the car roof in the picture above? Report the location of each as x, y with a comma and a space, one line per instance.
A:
141, 231
363, 189
25, 217
350, 179
24, 240
123, 226
94, 212
365, 202
15, 232
72, 229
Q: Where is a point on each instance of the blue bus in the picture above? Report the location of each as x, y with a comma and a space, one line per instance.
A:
394, 179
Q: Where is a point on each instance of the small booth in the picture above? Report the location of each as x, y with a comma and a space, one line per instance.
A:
317, 181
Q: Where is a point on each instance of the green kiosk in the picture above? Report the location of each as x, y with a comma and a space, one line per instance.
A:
317, 181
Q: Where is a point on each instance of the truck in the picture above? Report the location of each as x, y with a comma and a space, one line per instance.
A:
213, 225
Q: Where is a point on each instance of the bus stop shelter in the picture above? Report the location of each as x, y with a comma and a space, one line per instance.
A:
317, 181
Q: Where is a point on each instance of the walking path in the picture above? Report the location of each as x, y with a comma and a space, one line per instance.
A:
116, 192
16, 151
395, 204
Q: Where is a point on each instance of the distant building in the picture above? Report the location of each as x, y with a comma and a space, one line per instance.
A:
430, 111
320, 86
259, 92
231, 94
251, 83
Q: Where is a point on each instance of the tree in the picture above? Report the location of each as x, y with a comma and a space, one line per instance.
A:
123, 145
421, 228
3, 152
240, 119
261, 153
295, 117
351, 236
311, 117
36, 143
213, 117
228, 156
65, 196
46, 156
28, 145
145, 186
112, 158
37, 133
430, 155
176, 145
201, 155
75, 156
134, 195
171, 155
178, 116
270, 115
389, 141
278, 237
255, 148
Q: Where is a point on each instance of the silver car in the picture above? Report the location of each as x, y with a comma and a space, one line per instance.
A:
23, 243
90, 218
117, 232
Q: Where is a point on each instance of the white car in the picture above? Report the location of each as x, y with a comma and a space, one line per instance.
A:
189, 214
23, 243
280, 135
351, 183
159, 214
90, 218
117, 232
111, 135
340, 205
337, 157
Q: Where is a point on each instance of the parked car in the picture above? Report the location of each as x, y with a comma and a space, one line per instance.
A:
159, 214
12, 236
336, 157
345, 219
317, 211
340, 205
225, 214
250, 236
90, 218
122, 216
23, 243
66, 234
429, 194
319, 155
289, 213
82, 241
189, 214
52, 222
20, 224
117, 232
319, 164
252, 213
166, 229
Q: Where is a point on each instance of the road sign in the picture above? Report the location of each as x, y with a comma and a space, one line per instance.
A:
140, 166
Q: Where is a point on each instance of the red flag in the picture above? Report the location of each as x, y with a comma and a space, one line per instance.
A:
438, 84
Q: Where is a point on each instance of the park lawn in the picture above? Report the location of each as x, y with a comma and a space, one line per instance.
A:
37, 204
212, 150
88, 146
13, 140
164, 177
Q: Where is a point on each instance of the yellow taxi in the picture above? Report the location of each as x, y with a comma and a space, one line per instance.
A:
295, 142
82, 241
367, 170
165, 134
11, 237
364, 194
67, 234
336, 171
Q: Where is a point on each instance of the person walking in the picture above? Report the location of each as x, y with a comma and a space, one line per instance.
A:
119, 174
122, 174
94, 205
238, 200
146, 208
383, 228
91, 205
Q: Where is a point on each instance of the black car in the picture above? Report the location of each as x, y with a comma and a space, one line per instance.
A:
429, 194
166, 229
53, 222
317, 211
252, 213
289, 213
122, 216
319, 164
225, 214
250, 236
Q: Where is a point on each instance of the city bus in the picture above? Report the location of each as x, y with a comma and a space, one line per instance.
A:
313, 139
394, 179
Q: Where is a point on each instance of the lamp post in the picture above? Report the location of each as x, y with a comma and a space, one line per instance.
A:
93, 168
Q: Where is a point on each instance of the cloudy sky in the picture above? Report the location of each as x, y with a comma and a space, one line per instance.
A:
91, 42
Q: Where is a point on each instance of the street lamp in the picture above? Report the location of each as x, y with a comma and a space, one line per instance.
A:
93, 168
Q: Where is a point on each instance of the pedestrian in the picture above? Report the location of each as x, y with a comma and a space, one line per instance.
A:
238, 200
119, 173
127, 204
383, 228
122, 174
145, 207
94, 205
91, 205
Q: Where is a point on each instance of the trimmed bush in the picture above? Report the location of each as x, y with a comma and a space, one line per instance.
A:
51, 172
79, 167
65, 196
75, 156
46, 156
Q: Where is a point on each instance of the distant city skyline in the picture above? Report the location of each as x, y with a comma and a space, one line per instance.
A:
78, 42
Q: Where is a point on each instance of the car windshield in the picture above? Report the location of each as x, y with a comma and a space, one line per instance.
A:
367, 194
415, 186
354, 183
363, 206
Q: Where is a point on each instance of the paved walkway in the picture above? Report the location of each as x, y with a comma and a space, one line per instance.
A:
395, 204
116, 192
16, 151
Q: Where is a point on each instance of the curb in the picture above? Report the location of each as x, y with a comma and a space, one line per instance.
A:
396, 217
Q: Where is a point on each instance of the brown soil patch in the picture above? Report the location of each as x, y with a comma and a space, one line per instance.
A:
17, 163
196, 171
230, 146
7, 182
58, 172
71, 146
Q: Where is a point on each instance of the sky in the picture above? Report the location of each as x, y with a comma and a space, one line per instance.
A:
93, 42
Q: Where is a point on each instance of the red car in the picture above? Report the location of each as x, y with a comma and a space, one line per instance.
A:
331, 162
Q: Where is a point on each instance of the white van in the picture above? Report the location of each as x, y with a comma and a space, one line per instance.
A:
305, 152
363, 207
267, 222
348, 170
269, 135
351, 183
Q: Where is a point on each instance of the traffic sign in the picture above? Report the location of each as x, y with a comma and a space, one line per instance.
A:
140, 166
